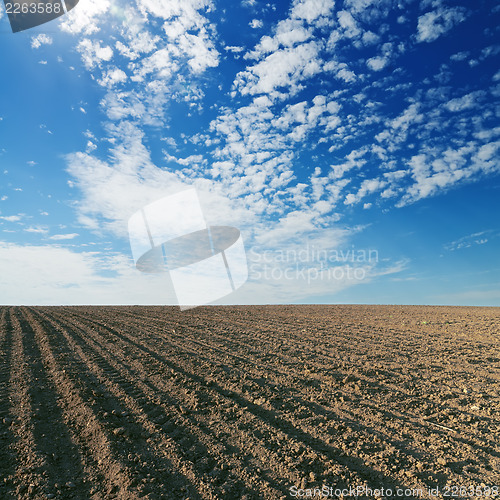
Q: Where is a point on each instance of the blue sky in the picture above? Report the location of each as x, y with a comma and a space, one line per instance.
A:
317, 128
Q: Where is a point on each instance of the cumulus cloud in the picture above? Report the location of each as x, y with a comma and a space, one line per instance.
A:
377, 63
310, 10
360, 5
438, 171
288, 57
36, 230
348, 23
93, 53
41, 39
282, 70
113, 76
156, 67
368, 186
436, 23
262, 142
86, 18
256, 23
187, 29
465, 102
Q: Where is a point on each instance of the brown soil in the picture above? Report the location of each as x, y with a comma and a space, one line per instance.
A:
248, 402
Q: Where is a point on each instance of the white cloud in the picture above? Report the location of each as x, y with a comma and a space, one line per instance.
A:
262, 142
156, 68
290, 33
460, 56
468, 101
139, 42
368, 186
186, 162
289, 227
436, 23
41, 39
93, 54
370, 38
340, 70
234, 49
59, 237
84, 19
113, 191
256, 23
399, 127
487, 134
468, 241
311, 10
290, 55
438, 171
283, 69
360, 5
188, 31
112, 77
377, 63
200, 51
11, 218
349, 25
36, 230
49, 275
53, 275
487, 154
160, 64
187, 10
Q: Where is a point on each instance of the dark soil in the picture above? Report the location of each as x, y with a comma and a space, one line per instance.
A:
249, 402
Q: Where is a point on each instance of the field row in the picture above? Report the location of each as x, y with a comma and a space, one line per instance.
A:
246, 402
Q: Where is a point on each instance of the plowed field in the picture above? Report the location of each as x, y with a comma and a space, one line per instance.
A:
249, 402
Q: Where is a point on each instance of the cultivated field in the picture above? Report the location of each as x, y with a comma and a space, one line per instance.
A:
248, 402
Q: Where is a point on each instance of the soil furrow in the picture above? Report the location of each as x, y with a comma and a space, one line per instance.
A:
62, 465
101, 464
136, 465
131, 396
282, 429
29, 480
246, 402
166, 414
8, 457
400, 423
407, 424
